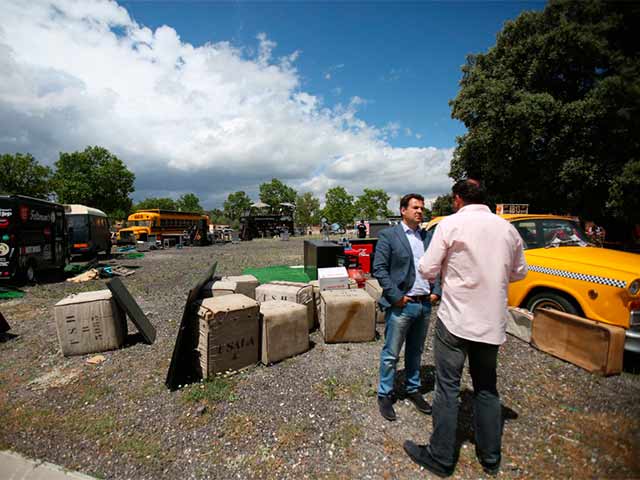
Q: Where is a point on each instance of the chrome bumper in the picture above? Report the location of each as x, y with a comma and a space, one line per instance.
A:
632, 342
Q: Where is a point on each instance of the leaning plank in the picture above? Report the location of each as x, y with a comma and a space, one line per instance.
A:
137, 316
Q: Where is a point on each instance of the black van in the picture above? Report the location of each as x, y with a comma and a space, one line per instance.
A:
88, 230
33, 237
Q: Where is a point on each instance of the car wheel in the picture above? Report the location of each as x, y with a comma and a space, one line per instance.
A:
29, 273
551, 300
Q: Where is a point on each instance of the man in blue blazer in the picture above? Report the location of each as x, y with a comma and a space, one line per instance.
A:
406, 299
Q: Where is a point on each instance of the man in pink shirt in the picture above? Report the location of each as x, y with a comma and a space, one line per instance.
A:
477, 254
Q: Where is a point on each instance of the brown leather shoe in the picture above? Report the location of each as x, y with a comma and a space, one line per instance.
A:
419, 402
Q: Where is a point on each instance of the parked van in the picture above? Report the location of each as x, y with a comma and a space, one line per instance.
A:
33, 237
88, 229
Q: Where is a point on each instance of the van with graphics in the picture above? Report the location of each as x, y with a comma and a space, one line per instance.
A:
33, 237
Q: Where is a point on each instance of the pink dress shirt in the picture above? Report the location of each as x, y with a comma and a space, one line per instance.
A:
478, 254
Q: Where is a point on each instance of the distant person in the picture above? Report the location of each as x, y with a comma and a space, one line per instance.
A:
362, 230
406, 299
478, 253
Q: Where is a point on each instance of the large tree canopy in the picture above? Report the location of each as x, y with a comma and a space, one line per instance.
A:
236, 204
189, 202
275, 192
21, 174
372, 204
553, 111
307, 210
339, 206
96, 178
163, 203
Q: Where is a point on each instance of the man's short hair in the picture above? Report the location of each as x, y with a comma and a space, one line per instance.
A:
404, 201
470, 191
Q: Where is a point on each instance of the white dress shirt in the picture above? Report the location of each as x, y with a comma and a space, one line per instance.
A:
420, 286
478, 254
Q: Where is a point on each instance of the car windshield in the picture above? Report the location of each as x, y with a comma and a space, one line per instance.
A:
557, 233
78, 227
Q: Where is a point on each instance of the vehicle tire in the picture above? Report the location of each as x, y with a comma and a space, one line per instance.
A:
28, 275
549, 299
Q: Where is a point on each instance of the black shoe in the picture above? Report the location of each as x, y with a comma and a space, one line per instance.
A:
419, 402
491, 468
386, 408
420, 455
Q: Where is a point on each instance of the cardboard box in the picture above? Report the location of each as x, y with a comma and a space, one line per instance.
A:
245, 284
89, 322
285, 331
229, 330
594, 346
296, 292
219, 288
330, 278
347, 316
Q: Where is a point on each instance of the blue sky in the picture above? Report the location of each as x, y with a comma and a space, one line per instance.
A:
215, 97
402, 58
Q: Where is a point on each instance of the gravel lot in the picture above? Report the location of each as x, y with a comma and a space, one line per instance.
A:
312, 416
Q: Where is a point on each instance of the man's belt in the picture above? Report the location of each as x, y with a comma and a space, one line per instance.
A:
419, 298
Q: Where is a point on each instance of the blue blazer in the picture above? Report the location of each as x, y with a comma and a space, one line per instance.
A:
393, 265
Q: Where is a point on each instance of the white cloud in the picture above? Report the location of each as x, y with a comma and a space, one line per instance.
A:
210, 119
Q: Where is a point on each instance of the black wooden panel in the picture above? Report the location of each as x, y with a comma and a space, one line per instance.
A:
137, 316
182, 369
4, 325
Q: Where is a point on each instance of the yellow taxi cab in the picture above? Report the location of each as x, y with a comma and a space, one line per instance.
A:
569, 274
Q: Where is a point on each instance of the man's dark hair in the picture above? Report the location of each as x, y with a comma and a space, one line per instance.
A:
404, 201
470, 191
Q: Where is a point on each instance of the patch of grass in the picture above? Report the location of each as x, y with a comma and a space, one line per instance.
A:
346, 434
292, 434
212, 390
238, 427
330, 387
141, 448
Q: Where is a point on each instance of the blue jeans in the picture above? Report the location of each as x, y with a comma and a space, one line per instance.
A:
450, 352
409, 323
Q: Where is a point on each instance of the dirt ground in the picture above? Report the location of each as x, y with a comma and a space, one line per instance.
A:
311, 416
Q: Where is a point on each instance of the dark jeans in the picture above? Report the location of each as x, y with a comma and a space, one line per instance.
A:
450, 353
407, 325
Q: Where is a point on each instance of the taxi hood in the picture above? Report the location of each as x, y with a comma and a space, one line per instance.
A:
597, 257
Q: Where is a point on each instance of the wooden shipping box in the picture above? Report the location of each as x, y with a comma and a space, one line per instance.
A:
229, 333
245, 284
373, 288
347, 316
285, 331
594, 346
90, 322
296, 292
218, 288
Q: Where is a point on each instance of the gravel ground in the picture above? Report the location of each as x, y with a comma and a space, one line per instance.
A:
311, 416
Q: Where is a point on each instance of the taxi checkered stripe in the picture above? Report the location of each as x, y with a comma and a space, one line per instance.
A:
612, 282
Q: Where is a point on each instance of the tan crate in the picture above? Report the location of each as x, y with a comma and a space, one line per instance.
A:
347, 316
594, 346
229, 332
218, 289
296, 292
373, 288
89, 322
285, 331
245, 284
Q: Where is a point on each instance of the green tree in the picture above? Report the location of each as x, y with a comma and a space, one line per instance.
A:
23, 175
217, 216
236, 204
443, 205
307, 210
189, 202
275, 192
163, 203
96, 178
372, 204
339, 207
553, 110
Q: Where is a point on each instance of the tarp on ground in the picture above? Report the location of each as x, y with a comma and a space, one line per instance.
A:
283, 273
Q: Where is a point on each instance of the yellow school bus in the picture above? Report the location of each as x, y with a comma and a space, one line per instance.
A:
162, 224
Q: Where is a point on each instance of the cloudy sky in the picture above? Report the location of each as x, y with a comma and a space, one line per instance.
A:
214, 97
